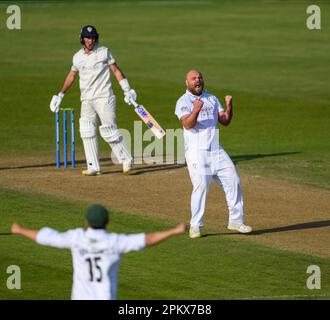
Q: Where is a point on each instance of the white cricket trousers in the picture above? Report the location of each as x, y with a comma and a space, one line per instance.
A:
105, 108
204, 166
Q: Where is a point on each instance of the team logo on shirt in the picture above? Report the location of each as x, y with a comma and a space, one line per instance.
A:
211, 100
207, 110
90, 251
185, 109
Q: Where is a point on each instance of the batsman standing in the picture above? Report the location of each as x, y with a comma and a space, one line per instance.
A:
200, 113
93, 63
95, 252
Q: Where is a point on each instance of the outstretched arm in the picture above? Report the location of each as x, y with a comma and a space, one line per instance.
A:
29, 233
46, 236
225, 117
157, 237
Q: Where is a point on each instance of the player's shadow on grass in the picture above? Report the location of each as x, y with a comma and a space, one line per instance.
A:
5, 234
299, 226
41, 165
248, 157
147, 169
153, 168
53, 164
163, 167
293, 227
150, 168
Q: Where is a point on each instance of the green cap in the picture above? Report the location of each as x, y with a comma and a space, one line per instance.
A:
97, 216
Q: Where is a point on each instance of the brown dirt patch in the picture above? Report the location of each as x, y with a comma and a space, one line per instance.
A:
283, 215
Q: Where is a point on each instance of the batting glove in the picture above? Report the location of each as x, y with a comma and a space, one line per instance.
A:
129, 96
129, 93
56, 101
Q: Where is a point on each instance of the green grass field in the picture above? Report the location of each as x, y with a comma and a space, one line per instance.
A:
212, 268
260, 52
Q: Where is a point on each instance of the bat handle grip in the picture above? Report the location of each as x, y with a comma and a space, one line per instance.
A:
134, 103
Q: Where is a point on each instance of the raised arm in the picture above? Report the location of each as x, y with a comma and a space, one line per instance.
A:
225, 116
157, 237
29, 233
189, 121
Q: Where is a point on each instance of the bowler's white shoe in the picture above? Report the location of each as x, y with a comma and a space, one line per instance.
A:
194, 232
240, 227
127, 166
91, 173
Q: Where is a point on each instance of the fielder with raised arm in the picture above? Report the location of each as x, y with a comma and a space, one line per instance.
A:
200, 113
95, 252
93, 63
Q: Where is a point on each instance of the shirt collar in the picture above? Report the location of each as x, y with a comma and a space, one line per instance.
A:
93, 50
191, 95
95, 232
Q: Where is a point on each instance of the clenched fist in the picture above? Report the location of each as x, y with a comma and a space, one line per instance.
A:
198, 105
229, 100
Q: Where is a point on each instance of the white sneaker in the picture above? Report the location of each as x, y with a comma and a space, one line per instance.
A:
127, 166
194, 232
240, 227
91, 173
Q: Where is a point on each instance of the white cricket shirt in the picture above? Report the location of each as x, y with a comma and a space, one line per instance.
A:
94, 73
205, 134
96, 256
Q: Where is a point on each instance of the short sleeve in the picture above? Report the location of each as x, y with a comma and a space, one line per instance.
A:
53, 238
110, 58
218, 105
134, 242
74, 64
182, 108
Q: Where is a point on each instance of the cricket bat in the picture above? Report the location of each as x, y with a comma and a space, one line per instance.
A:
148, 119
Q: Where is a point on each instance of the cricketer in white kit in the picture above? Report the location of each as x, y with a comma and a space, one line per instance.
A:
96, 253
200, 113
93, 63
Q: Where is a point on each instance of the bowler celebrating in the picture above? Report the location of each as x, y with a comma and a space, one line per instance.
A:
200, 113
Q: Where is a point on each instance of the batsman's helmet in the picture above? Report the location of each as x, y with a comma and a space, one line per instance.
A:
88, 31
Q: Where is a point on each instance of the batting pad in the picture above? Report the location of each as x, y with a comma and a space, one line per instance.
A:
88, 129
88, 135
110, 134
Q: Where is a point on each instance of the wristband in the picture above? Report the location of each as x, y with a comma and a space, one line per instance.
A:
124, 85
